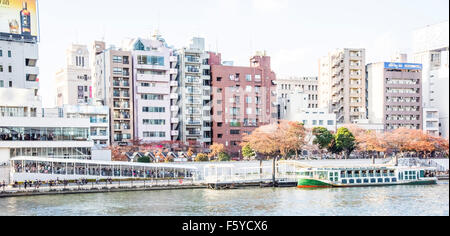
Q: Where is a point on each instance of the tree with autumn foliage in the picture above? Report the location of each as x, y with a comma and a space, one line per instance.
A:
271, 140
216, 149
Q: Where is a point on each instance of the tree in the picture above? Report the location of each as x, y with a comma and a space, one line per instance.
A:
223, 156
248, 152
216, 149
201, 157
144, 159
345, 141
262, 140
190, 153
323, 137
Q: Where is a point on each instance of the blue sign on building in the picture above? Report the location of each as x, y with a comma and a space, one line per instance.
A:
402, 66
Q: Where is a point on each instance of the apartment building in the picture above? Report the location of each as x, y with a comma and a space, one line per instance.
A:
73, 81
430, 48
289, 85
347, 91
154, 77
324, 81
195, 93
113, 87
395, 95
244, 98
18, 64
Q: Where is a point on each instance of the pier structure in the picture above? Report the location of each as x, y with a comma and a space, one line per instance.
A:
44, 169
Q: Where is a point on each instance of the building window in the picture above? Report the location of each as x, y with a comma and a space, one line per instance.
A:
220, 136
154, 122
235, 132
10, 69
248, 78
154, 109
9, 54
219, 79
154, 134
152, 97
1, 68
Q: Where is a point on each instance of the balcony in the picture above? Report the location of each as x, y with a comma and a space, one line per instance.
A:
174, 132
173, 71
175, 120
193, 122
174, 108
174, 96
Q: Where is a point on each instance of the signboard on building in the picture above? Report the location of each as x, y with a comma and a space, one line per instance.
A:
402, 66
19, 20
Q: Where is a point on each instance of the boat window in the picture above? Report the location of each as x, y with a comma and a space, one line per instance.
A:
370, 173
350, 174
364, 173
357, 174
380, 180
373, 181
394, 180
344, 181
342, 174
385, 173
387, 180
366, 181
378, 173
359, 181
352, 181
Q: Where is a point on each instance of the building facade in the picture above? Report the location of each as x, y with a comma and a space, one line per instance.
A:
431, 49
288, 85
395, 95
195, 121
154, 77
244, 98
298, 109
113, 87
18, 64
343, 75
73, 82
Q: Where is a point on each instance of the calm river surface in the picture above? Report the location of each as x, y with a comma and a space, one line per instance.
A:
395, 200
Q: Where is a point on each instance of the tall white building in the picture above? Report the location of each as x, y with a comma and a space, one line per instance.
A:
342, 75
195, 94
18, 64
73, 82
431, 45
154, 78
288, 85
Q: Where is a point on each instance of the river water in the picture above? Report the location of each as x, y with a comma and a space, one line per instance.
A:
392, 201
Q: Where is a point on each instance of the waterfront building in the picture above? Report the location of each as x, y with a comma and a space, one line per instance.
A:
395, 95
244, 98
298, 109
98, 119
18, 63
73, 81
113, 87
430, 49
154, 79
342, 75
195, 121
288, 85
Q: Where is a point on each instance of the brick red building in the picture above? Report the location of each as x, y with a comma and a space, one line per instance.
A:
243, 98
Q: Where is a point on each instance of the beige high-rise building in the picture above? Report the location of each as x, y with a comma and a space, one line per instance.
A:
342, 75
73, 81
113, 87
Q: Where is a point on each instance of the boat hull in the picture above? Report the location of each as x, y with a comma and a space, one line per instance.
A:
313, 183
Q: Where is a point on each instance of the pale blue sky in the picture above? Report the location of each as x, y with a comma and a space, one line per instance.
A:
296, 33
